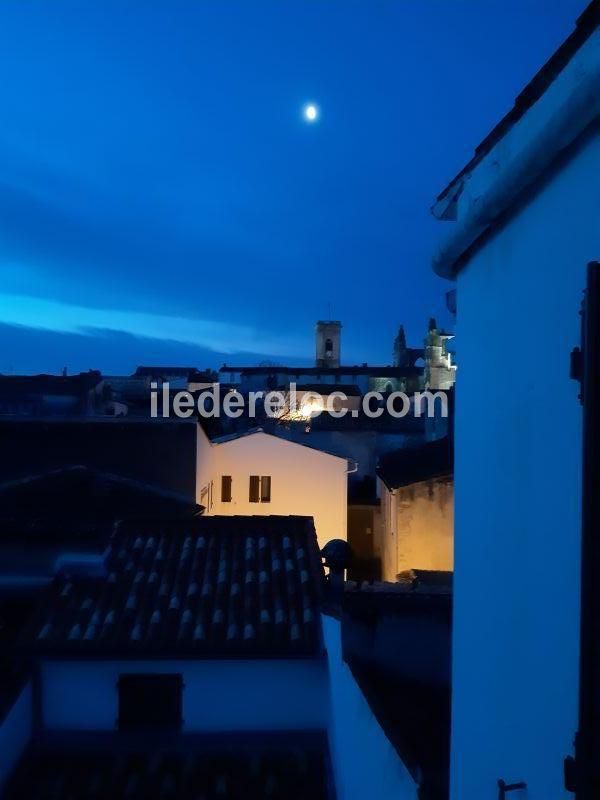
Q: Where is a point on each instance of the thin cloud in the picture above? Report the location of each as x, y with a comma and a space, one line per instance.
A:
50, 315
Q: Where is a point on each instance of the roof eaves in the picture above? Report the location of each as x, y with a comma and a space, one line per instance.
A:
401, 484
494, 180
585, 25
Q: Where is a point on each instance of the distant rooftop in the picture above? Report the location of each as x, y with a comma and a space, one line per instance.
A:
349, 389
76, 502
49, 384
385, 423
410, 581
158, 452
171, 372
423, 462
364, 369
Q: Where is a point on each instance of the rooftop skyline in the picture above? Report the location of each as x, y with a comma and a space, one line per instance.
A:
200, 182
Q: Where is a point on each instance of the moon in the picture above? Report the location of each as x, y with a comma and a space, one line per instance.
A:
311, 112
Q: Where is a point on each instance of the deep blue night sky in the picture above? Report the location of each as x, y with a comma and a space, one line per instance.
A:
162, 199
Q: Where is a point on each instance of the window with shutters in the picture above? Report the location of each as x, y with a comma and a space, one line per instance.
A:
226, 488
150, 700
265, 489
260, 489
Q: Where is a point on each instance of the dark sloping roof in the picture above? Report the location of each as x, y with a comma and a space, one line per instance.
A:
416, 720
83, 490
397, 644
76, 506
112, 767
49, 384
586, 24
148, 372
212, 586
414, 464
386, 423
231, 437
191, 373
158, 452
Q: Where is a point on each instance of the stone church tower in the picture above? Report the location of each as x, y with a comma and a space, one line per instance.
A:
328, 341
440, 372
400, 352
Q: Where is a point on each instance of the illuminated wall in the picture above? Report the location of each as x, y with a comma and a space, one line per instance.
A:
417, 530
304, 481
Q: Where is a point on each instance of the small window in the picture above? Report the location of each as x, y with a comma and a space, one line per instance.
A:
328, 347
150, 701
265, 489
260, 489
254, 495
226, 488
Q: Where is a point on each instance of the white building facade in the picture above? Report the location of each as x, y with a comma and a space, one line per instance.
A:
260, 474
526, 222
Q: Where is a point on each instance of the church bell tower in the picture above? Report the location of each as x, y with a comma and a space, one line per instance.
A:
328, 341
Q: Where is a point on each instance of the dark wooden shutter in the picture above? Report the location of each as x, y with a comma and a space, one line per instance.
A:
150, 700
265, 489
254, 488
226, 488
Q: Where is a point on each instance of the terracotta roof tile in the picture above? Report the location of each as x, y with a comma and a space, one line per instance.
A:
213, 586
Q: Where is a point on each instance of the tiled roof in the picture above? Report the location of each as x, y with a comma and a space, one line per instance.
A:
296, 769
215, 586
